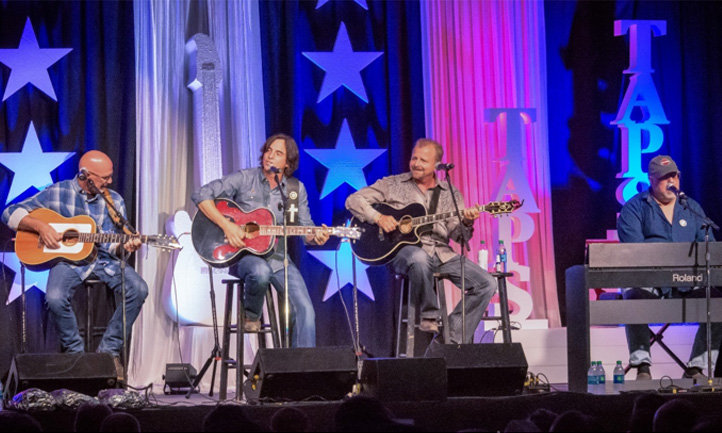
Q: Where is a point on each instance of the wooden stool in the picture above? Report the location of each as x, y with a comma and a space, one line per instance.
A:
266, 328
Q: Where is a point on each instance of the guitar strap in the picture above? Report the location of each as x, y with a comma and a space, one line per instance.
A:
114, 216
292, 187
434, 199
433, 204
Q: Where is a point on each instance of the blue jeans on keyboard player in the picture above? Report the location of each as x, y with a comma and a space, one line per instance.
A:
638, 335
257, 274
62, 282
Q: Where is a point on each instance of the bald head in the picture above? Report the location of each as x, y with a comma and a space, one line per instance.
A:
96, 166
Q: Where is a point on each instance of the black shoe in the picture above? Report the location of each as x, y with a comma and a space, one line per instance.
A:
643, 372
693, 373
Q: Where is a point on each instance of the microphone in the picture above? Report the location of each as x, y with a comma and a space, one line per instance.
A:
680, 195
274, 169
91, 186
445, 167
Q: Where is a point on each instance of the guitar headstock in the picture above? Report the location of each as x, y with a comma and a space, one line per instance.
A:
164, 242
502, 207
347, 232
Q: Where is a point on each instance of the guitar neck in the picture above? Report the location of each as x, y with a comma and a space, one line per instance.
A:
291, 230
428, 219
112, 238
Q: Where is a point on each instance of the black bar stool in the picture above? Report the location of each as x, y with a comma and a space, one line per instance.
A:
92, 330
408, 324
503, 317
269, 327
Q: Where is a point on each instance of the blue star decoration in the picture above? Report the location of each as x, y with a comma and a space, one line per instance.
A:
343, 66
32, 166
29, 64
345, 163
39, 280
343, 276
361, 3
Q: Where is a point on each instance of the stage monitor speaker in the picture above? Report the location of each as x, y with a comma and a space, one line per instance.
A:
492, 369
404, 379
295, 374
86, 373
178, 378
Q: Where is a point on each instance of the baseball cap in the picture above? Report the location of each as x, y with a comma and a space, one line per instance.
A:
662, 165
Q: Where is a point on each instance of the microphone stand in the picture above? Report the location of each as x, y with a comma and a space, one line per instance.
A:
708, 224
286, 306
123, 260
463, 229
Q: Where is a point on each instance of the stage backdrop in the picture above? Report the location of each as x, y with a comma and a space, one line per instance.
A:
590, 74
67, 86
485, 84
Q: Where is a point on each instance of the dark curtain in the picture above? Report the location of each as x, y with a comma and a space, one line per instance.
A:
586, 86
392, 119
95, 109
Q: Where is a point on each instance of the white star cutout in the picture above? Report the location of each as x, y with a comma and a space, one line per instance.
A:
39, 280
345, 163
343, 66
29, 64
345, 271
32, 166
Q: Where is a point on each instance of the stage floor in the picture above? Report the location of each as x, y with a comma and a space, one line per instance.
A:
610, 412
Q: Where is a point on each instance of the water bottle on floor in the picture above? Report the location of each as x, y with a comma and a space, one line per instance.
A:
592, 379
602, 378
618, 377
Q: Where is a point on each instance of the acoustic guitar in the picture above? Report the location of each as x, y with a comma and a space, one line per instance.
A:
376, 247
259, 226
79, 236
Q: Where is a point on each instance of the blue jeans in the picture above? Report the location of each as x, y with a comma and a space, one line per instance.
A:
420, 267
638, 335
257, 274
62, 282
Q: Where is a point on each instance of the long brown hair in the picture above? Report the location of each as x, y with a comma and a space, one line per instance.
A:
291, 152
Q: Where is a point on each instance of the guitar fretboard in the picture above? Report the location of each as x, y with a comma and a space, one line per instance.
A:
291, 230
108, 238
428, 219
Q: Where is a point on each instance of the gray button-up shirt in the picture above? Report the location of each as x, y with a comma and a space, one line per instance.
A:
400, 191
251, 190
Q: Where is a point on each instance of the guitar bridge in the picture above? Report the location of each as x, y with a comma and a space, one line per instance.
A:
381, 234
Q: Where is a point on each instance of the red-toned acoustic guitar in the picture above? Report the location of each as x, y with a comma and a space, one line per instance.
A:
78, 242
260, 228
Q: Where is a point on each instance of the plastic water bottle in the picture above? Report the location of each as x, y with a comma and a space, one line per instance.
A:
618, 377
483, 257
602, 375
592, 379
500, 265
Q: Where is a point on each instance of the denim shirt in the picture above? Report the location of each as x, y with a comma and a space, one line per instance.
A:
69, 200
642, 220
251, 190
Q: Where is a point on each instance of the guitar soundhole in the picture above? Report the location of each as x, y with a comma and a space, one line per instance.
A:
252, 230
405, 225
70, 238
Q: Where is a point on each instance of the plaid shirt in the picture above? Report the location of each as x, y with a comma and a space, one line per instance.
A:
69, 200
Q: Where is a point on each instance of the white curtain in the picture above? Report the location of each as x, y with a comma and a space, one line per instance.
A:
165, 147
